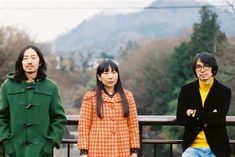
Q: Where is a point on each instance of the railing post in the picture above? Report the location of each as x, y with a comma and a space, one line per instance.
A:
68, 155
155, 150
141, 138
171, 151
234, 149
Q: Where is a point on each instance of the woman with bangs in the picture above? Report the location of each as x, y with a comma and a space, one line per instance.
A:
108, 124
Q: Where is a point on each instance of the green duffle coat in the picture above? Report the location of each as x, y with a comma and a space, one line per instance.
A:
32, 118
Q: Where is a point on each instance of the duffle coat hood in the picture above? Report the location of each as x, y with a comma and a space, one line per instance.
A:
32, 118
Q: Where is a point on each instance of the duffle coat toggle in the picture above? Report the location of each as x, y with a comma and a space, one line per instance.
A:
29, 87
28, 106
26, 125
27, 142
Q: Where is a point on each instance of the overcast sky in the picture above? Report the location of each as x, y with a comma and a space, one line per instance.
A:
44, 20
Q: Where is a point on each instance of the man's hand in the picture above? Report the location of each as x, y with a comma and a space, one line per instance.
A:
189, 112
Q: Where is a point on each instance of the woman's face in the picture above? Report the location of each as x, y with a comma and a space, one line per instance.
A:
109, 79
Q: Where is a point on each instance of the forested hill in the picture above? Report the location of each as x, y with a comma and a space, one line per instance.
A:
111, 33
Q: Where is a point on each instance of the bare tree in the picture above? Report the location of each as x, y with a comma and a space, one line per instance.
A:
11, 41
231, 3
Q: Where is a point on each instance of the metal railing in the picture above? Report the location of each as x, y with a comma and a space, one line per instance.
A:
145, 120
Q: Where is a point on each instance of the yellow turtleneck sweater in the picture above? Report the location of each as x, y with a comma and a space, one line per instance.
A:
200, 140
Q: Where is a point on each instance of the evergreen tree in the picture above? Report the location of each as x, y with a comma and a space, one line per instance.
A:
206, 34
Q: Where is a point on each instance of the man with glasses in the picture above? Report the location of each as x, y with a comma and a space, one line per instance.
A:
202, 109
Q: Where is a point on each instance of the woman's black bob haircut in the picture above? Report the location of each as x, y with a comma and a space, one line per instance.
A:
19, 74
208, 59
104, 67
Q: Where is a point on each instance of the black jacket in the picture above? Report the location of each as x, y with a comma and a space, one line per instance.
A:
218, 99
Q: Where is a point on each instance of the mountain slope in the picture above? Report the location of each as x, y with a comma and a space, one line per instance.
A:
109, 33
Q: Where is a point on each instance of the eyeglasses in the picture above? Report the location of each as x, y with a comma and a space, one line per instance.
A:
205, 67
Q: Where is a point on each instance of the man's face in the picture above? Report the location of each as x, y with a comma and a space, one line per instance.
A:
30, 61
203, 71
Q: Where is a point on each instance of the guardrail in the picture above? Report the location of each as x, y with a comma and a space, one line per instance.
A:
145, 120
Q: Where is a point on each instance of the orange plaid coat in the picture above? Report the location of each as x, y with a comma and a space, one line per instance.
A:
113, 135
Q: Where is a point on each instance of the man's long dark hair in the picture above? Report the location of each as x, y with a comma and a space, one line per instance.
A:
19, 74
104, 67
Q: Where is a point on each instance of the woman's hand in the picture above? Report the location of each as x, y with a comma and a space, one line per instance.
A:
134, 155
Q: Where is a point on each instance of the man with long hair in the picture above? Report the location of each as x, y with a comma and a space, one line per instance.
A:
32, 118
